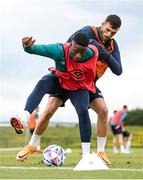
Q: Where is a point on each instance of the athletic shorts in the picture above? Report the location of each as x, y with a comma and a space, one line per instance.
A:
126, 134
116, 131
92, 96
31, 131
95, 95
63, 97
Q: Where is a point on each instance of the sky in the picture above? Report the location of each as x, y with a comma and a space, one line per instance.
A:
52, 21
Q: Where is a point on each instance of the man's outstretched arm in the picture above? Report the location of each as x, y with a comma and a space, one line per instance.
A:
50, 50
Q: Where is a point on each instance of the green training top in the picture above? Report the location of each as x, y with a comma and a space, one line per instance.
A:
55, 52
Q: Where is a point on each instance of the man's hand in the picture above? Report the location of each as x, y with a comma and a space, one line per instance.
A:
28, 41
117, 127
103, 54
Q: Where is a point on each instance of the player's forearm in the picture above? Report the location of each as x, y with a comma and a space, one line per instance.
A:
36, 49
114, 65
115, 62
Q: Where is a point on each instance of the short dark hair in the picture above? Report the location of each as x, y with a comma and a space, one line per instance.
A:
81, 39
125, 107
114, 111
114, 21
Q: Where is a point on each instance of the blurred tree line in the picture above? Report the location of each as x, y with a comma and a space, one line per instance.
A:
135, 117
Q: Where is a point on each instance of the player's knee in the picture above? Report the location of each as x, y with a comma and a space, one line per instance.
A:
103, 112
82, 111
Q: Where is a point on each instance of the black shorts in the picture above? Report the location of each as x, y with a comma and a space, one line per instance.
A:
95, 95
116, 131
92, 96
126, 134
61, 96
31, 131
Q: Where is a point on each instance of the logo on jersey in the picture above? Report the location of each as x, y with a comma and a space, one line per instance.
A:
78, 74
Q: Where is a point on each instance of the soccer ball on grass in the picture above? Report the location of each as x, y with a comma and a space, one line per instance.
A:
54, 155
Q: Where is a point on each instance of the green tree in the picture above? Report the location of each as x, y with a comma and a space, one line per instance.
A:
135, 117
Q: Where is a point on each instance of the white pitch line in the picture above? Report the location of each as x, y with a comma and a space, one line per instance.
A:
125, 169
30, 168
68, 168
10, 149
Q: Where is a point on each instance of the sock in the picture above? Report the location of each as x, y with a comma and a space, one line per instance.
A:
24, 116
38, 148
101, 141
122, 149
115, 148
34, 140
128, 146
38, 145
85, 148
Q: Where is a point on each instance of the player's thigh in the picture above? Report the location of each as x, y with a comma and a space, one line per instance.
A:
53, 104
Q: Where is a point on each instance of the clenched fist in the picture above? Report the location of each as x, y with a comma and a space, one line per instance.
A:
28, 41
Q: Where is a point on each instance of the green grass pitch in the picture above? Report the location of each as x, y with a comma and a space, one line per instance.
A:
124, 166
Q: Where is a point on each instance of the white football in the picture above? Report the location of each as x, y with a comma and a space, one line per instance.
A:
54, 155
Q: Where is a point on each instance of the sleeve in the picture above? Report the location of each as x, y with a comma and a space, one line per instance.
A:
87, 30
36, 116
113, 60
123, 117
51, 50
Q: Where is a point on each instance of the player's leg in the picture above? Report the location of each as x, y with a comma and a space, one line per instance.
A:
121, 142
80, 100
38, 149
114, 139
119, 135
114, 142
128, 145
51, 107
98, 104
53, 104
48, 84
128, 138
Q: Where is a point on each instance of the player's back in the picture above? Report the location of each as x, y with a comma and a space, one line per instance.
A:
115, 119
